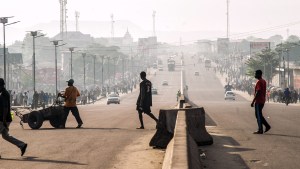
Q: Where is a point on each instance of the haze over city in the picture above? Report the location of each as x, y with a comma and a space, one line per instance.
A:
189, 19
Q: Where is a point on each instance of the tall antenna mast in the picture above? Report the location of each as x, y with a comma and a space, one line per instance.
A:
63, 20
153, 15
112, 26
77, 17
227, 19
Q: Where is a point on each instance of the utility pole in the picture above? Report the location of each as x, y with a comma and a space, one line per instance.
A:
77, 17
227, 19
63, 13
112, 26
153, 15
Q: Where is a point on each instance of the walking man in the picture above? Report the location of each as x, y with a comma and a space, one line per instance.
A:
144, 101
5, 118
70, 95
259, 101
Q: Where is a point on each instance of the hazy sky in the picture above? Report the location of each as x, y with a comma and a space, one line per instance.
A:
179, 15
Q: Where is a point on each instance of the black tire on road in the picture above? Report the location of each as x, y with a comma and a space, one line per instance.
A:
35, 120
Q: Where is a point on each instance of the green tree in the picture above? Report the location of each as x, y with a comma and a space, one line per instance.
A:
293, 38
267, 61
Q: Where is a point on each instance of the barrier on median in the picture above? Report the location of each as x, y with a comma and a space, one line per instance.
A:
181, 131
195, 120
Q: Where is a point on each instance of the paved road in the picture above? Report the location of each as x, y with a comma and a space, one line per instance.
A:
106, 131
231, 124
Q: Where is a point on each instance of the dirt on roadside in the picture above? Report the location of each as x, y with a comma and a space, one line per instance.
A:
139, 155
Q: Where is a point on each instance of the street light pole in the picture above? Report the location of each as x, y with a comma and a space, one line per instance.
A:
102, 57
115, 71
4, 52
288, 67
34, 35
55, 43
71, 50
108, 72
83, 55
4, 21
94, 57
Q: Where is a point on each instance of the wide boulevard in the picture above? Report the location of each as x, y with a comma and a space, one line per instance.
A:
109, 135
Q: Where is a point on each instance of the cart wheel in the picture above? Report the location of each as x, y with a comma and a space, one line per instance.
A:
55, 121
35, 120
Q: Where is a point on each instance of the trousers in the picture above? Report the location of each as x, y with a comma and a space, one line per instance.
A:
7, 137
75, 113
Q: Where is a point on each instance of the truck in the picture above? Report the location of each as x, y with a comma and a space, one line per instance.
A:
171, 65
207, 63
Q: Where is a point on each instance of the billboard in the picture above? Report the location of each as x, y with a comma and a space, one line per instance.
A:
256, 47
223, 46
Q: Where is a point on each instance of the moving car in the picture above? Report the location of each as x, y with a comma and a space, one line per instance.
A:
113, 98
154, 91
160, 68
196, 73
165, 83
229, 95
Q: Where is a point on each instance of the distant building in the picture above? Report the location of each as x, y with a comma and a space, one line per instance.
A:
125, 43
204, 46
76, 39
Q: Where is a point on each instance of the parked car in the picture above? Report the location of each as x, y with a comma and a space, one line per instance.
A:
165, 83
113, 98
154, 91
229, 95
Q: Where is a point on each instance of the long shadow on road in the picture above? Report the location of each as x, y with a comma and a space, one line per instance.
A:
36, 159
223, 154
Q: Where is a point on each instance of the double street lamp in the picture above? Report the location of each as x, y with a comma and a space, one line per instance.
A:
84, 55
71, 49
4, 21
55, 43
34, 35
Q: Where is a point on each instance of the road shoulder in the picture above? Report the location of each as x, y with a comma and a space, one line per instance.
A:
139, 155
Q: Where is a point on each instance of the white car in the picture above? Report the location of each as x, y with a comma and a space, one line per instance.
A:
229, 95
154, 91
113, 98
165, 83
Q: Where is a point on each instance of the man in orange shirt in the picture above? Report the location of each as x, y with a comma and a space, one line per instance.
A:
259, 102
70, 95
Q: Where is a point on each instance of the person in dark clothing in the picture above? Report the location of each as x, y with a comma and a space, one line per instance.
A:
287, 96
35, 100
5, 119
144, 101
259, 101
